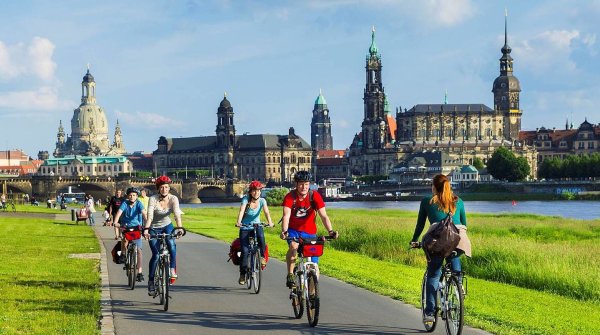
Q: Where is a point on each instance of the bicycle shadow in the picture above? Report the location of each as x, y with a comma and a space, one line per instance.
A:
247, 322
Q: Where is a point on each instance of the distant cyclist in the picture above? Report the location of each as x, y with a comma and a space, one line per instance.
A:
252, 205
160, 207
300, 208
435, 208
131, 214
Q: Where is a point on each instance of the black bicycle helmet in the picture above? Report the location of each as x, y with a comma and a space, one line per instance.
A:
133, 190
302, 176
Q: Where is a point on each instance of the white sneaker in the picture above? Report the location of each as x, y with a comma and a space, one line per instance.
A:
173, 273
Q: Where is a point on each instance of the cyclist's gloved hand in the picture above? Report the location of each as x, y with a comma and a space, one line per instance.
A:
178, 233
334, 234
239, 224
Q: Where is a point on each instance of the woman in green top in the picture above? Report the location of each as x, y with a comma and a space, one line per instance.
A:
435, 208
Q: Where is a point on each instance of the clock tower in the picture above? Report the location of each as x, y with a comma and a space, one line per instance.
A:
320, 126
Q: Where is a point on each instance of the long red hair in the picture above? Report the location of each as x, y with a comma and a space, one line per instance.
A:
443, 197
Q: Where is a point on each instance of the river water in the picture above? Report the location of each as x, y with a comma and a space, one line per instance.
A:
588, 210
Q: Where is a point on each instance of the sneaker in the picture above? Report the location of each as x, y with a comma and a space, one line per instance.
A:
263, 262
140, 277
151, 288
428, 318
173, 274
290, 281
242, 279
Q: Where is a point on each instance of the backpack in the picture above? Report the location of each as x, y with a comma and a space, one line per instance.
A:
310, 198
235, 250
441, 238
116, 250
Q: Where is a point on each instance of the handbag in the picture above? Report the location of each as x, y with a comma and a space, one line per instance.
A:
441, 238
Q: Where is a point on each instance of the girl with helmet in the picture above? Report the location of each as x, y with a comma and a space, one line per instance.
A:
160, 208
250, 209
131, 214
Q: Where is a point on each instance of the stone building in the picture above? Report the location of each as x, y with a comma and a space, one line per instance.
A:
89, 128
264, 157
462, 132
70, 166
320, 125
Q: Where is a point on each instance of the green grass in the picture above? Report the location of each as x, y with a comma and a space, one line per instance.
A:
42, 290
529, 274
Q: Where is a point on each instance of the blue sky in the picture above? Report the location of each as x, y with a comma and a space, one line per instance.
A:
162, 67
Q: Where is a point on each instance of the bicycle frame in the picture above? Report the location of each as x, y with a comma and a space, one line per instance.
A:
162, 275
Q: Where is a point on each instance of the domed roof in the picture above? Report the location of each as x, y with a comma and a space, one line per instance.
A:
320, 99
510, 82
225, 103
586, 125
88, 78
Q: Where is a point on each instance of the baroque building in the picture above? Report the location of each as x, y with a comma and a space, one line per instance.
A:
462, 132
264, 157
89, 128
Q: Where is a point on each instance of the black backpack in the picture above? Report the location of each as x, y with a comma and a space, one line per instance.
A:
441, 238
310, 198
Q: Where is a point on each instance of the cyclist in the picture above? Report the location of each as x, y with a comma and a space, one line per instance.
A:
114, 204
300, 208
160, 207
435, 208
250, 209
130, 214
3, 200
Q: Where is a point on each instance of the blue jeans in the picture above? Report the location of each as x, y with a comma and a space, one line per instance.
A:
245, 240
434, 272
155, 247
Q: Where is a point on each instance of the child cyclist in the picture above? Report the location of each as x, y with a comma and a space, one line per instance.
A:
131, 214
249, 214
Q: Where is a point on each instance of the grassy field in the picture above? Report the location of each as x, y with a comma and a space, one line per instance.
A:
42, 290
529, 274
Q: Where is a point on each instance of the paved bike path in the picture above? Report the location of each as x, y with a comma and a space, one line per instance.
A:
206, 299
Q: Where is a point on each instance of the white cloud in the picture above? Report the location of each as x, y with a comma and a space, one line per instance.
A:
45, 98
448, 12
551, 50
33, 59
147, 120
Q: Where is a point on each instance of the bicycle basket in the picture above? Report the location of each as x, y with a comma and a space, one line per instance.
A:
312, 248
132, 234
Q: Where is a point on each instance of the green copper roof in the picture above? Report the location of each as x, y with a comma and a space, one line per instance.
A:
320, 100
468, 169
386, 105
373, 49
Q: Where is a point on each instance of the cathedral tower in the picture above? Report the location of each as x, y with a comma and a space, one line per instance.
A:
226, 134
375, 133
320, 126
506, 91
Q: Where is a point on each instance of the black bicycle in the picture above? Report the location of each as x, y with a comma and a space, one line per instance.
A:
254, 267
306, 288
162, 275
9, 207
131, 254
449, 301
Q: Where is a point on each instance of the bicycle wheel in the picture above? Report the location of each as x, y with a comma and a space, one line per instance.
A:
166, 281
429, 326
160, 288
313, 301
455, 307
14, 208
256, 272
249, 267
297, 298
132, 269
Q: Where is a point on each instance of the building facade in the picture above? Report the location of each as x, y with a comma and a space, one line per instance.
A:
89, 128
263, 157
85, 166
462, 132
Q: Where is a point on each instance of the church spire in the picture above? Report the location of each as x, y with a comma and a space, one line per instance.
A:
373, 51
506, 61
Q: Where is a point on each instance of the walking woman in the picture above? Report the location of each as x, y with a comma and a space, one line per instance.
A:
435, 208
160, 208
252, 205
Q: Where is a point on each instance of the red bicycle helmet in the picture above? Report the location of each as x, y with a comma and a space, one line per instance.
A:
162, 180
255, 185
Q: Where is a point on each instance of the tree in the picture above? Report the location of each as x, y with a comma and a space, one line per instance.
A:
504, 165
478, 164
275, 196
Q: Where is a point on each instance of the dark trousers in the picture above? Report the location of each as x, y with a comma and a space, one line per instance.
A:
245, 240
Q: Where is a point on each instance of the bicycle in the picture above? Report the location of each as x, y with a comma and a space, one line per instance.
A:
306, 288
449, 302
131, 254
162, 275
9, 207
254, 270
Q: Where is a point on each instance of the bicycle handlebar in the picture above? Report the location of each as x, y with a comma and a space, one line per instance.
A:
302, 240
173, 234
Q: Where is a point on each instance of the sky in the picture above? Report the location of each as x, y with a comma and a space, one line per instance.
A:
162, 67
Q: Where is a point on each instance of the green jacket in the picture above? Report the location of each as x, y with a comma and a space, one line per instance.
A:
434, 214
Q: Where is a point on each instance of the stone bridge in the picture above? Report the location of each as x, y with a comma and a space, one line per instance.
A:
102, 187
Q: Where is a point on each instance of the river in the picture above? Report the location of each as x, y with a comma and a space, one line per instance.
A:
587, 210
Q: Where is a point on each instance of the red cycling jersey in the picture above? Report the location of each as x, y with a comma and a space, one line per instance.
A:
303, 215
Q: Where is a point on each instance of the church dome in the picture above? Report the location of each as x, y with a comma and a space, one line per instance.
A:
225, 103
88, 78
507, 82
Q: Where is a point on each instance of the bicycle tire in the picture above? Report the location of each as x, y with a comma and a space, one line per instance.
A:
297, 298
455, 307
166, 281
429, 326
14, 208
160, 289
256, 272
132, 265
249, 263
313, 301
